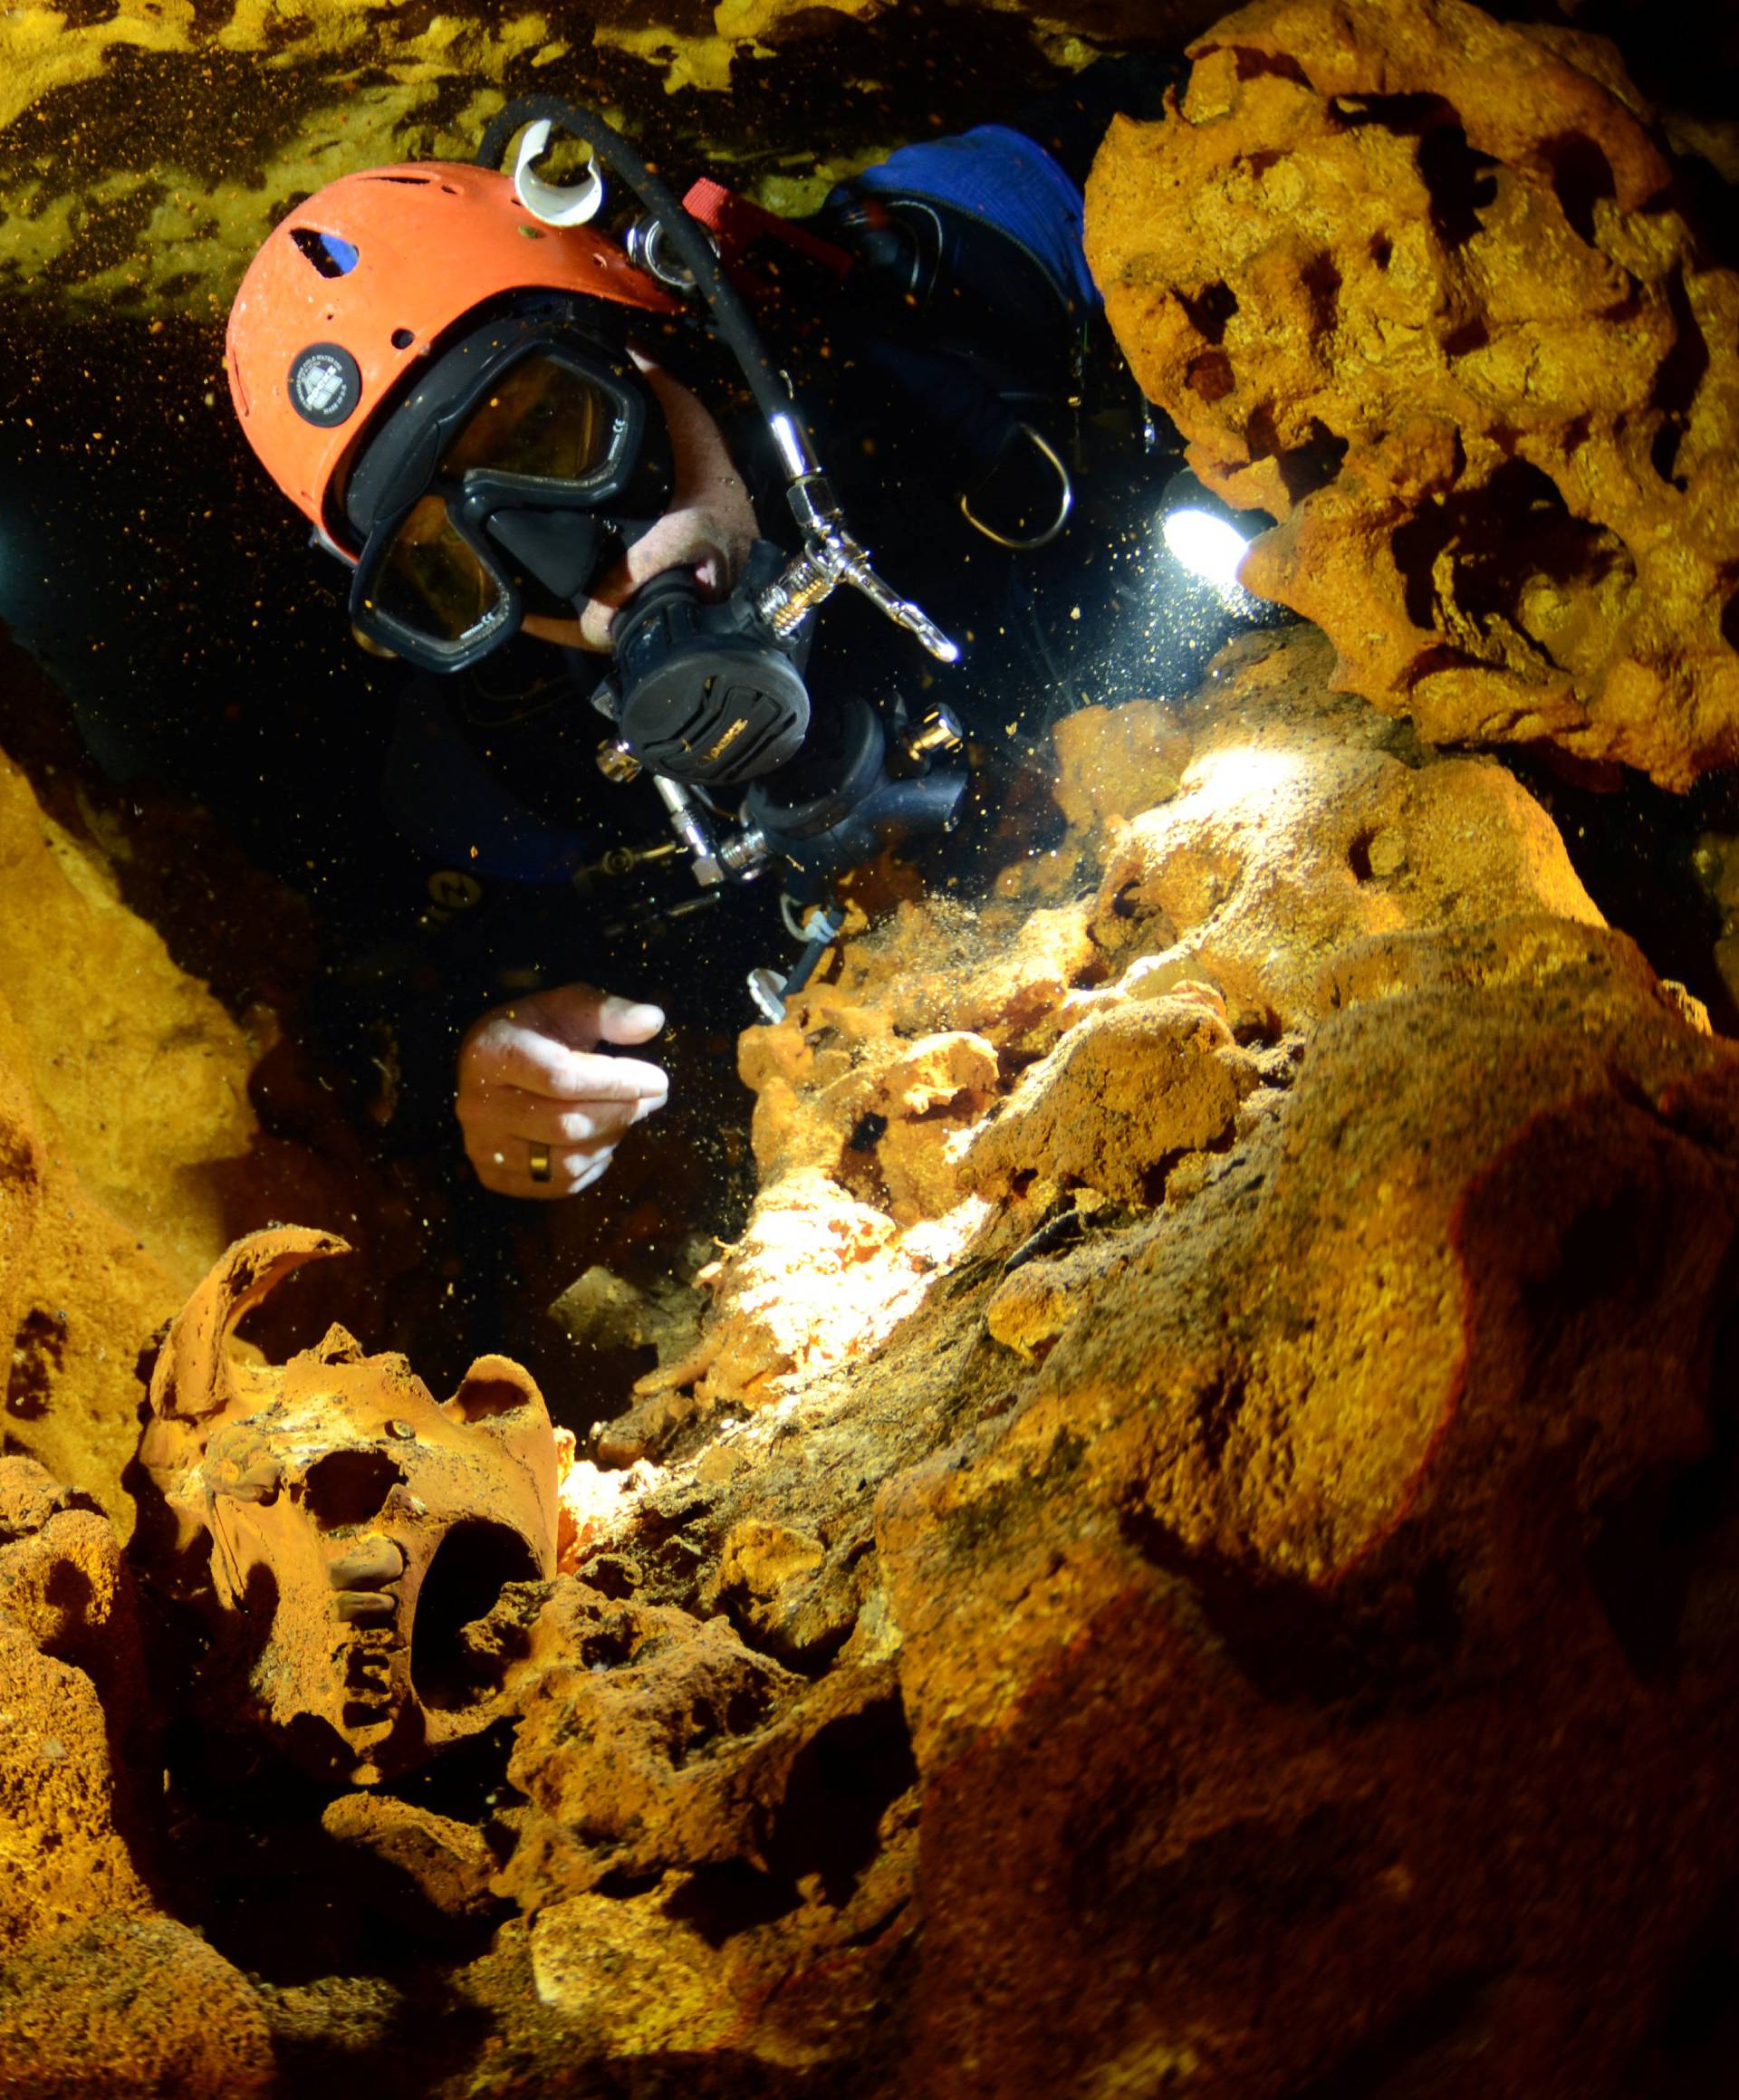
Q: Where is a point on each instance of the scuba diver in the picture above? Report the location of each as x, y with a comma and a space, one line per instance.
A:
595, 493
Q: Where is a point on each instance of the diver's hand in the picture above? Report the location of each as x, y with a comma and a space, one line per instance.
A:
532, 1080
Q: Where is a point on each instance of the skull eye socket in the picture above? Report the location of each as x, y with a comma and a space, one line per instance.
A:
349, 1487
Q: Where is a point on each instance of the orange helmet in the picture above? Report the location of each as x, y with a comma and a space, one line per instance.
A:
358, 286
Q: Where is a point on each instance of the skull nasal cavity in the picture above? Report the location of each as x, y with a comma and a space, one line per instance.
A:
471, 1565
349, 1487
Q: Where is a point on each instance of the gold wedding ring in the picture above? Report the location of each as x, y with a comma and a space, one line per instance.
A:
539, 1162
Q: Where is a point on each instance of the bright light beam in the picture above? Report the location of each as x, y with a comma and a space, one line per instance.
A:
1208, 546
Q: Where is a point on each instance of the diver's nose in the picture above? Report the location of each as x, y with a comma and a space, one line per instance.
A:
559, 548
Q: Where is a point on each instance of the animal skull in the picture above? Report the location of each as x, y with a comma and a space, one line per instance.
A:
342, 1526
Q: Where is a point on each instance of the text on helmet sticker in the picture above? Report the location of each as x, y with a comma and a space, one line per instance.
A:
325, 384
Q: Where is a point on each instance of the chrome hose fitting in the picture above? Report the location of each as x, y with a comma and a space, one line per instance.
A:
830, 556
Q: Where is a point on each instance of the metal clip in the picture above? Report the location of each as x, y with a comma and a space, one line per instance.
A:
831, 557
1066, 503
771, 992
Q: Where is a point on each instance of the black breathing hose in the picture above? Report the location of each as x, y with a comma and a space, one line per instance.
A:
735, 324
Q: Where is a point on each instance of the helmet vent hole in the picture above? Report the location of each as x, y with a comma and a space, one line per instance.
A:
330, 255
402, 338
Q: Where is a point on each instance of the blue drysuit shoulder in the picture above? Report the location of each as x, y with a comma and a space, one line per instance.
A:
1004, 179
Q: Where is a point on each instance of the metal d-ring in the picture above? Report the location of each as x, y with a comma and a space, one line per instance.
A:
1065, 505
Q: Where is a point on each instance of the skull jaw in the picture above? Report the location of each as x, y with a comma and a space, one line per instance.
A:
361, 1699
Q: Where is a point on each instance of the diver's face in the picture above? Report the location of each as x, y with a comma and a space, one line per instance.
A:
708, 528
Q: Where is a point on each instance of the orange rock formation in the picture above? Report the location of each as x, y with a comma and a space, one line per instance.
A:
1217, 1408
1164, 1642
1417, 284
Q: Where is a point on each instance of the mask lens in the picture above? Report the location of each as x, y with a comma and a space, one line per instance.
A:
433, 582
540, 421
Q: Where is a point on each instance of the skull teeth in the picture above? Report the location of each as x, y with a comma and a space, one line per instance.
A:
259, 1483
370, 1565
364, 1604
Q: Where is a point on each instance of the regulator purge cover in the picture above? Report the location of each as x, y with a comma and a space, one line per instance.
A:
706, 694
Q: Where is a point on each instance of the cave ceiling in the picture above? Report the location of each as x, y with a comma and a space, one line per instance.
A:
146, 147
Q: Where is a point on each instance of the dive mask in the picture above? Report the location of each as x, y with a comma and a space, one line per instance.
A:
525, 459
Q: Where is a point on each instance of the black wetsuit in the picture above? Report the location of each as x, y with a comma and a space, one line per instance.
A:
957, 361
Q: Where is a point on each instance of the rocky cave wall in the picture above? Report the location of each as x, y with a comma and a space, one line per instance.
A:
147, 147
1428, 290
1223, 1397
1195, 1549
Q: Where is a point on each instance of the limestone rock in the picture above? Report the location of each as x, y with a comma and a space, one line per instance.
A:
1124, 1091
437, 1863
1461, 1302
134, 2009
1262, 1530
1298, 823
694, 1968
654, 1700
71, 1706
1116, 762
816, 1277
1414, 284
140, 1073
129, 1149
717, 1856
124, 1090
1288, 840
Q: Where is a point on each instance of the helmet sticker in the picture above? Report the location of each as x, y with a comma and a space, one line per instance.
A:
325, 385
